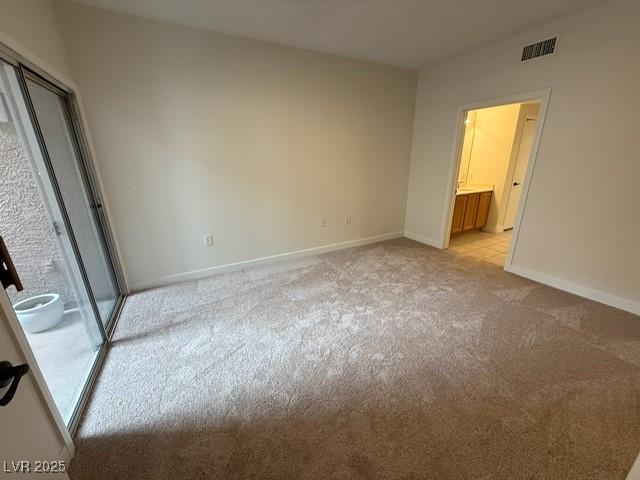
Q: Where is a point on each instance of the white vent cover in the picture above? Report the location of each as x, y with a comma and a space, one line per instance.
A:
539, 49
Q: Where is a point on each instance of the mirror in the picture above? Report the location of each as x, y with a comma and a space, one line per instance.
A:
467, 145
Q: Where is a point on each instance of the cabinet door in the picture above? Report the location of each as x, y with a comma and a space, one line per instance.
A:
483, 209
470, 212
458, 213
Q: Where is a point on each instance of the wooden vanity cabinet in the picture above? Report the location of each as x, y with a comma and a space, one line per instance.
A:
458, 214
482, 215
470, 211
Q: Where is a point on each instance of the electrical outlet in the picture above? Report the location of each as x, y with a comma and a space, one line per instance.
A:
207, 240
347, 220
323, 222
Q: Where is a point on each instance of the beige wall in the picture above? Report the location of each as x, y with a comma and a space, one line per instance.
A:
580, 227
34, 24
490, 156
198, 132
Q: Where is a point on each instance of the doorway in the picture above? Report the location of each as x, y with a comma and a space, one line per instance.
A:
56, 235
495, 155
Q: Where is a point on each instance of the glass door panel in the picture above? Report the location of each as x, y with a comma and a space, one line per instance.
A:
53, 118
55, 307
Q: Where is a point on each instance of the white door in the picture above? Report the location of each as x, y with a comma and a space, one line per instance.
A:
524, 151
33, 439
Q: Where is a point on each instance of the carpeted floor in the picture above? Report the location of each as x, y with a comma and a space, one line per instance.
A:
390, 361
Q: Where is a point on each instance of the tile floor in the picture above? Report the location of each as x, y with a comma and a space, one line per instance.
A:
491, 247
65, 356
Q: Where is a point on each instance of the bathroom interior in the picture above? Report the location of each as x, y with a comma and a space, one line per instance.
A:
496, 147
68, 293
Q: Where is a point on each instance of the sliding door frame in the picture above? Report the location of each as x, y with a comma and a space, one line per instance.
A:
84, 156
28, 70
90, 187
106, 328
22, 78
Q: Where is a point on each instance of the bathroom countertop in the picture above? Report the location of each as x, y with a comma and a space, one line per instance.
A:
468, 189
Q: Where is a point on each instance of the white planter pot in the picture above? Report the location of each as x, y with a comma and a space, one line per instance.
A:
40, 313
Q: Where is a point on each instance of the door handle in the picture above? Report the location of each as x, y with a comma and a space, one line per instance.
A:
56, 228
8, 273
10, 375
515, 184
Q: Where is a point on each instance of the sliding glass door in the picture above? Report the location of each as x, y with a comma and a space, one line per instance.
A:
53, 117
54, 227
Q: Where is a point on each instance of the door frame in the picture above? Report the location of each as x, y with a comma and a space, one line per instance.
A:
543, 96
15, 54
95, 199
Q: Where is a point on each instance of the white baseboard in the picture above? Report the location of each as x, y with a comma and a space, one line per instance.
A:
580, 290
422, 239
207, 272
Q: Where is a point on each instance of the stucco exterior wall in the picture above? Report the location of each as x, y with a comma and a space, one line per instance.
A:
25, 226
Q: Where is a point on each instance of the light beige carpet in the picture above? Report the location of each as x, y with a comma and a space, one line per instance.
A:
390, 361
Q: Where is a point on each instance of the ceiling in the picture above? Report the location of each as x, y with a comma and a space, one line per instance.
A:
407, 33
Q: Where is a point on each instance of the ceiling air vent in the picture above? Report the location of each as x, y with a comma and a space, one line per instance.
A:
539, 49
